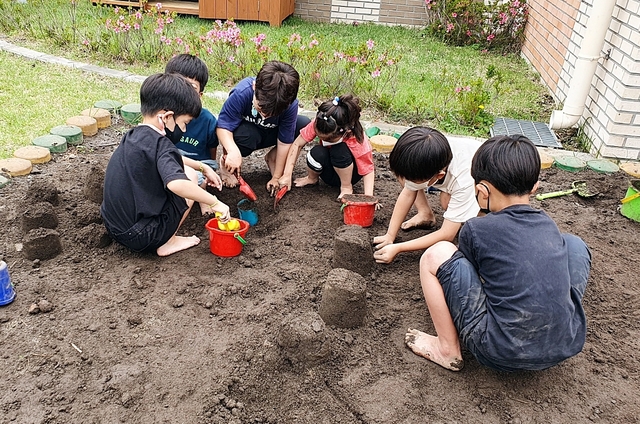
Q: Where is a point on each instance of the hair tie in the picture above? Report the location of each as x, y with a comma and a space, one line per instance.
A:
324, 116
335, 101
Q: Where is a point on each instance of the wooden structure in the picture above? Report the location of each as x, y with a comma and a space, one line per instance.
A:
272, 11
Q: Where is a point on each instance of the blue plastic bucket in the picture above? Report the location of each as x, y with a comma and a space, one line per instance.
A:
7, 293
248, 211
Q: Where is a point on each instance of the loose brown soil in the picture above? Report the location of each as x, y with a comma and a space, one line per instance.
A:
192, 338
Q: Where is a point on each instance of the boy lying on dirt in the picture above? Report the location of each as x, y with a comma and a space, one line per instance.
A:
512, 290
422, 158
149, 188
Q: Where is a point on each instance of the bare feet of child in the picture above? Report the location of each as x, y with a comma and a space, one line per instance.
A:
176, 244
419, 222
427, 346
305, 181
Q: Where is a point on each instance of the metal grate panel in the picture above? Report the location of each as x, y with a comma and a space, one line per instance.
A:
538, 132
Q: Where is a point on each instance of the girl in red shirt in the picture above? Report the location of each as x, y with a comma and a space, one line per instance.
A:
344, 155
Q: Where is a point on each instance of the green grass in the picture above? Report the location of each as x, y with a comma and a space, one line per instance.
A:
423, 94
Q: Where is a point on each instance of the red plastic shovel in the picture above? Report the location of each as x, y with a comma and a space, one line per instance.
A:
279, 195
247, 190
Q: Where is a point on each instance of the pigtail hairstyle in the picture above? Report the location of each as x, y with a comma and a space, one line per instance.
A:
339, 116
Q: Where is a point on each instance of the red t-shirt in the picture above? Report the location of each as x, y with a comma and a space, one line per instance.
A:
362, 153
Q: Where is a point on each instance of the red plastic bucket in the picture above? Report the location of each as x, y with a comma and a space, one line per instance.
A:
226, 243
358, 209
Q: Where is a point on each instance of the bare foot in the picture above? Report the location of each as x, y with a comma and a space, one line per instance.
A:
305, 181
427, 346
176, 244
228, 179
419, 222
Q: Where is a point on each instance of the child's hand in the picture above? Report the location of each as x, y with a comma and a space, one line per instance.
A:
385, 254
233, 162
382, 241
285, 181
213, 179
221, 211
273, 186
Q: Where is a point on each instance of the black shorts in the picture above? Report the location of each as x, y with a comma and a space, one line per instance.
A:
148, 234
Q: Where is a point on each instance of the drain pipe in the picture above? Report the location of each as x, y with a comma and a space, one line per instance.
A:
585, 67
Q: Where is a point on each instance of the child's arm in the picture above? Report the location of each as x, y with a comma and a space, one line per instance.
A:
292, 157
367, 182
233, 160
447, 232
188, 190
400, 210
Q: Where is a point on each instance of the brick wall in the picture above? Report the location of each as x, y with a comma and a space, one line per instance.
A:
389, 12
313, 10
547, 36
554, 35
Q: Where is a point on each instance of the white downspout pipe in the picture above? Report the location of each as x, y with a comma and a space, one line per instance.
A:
585, 67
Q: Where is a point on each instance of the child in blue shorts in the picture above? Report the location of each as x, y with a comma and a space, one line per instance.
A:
199, 142
512, 289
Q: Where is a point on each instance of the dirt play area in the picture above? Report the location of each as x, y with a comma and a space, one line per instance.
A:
193, 338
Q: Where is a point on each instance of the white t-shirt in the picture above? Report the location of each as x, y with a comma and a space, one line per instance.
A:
458, 182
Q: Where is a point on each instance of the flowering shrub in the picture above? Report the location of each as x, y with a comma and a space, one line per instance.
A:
136, 35
495, 24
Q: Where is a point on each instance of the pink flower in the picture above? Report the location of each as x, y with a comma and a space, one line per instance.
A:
390, 62
375, 74
138, 15
116, 10
313, 43
158, 6
136, 26
85, 42
450, 27
209, 50
468, 33
454, 14
168, 20
370, 44
232, 59
467, 88
458, 90
491, 37
158, 30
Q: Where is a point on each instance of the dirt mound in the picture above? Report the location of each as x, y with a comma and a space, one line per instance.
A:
193, 338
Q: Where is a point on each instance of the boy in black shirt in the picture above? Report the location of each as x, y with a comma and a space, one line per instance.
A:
148, 190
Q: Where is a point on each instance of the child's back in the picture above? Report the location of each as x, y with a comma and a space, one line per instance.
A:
534, 319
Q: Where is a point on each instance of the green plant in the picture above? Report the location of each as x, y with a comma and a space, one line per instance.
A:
494, 24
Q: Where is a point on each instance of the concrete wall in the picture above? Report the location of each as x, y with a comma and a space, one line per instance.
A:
388, 12
612, 116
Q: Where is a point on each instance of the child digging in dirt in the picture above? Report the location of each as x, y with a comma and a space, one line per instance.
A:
344, 155
148, 190
512, 290
422, 158
199, 142
260, 112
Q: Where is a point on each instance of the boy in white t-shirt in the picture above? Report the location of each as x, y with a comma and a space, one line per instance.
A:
422, 158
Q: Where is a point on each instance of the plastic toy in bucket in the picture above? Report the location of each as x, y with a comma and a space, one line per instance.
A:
631, 202
226, 243
358, 209
248, 211
7, 293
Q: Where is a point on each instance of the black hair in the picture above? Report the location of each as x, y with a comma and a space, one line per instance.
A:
510, 163
277, 86
169, 92
189, 66
419, 154
340, 116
